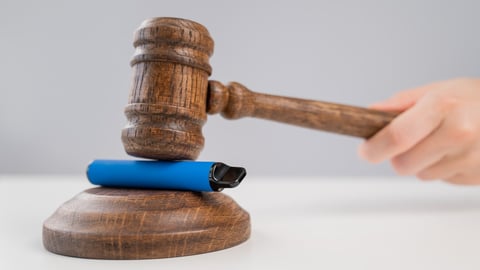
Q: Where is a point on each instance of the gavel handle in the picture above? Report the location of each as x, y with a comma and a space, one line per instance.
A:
235, 101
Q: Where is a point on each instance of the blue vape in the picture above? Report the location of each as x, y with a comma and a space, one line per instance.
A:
171, 175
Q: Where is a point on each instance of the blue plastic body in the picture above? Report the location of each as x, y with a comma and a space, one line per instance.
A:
171, 175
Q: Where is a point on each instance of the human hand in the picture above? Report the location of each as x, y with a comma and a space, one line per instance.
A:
437, 135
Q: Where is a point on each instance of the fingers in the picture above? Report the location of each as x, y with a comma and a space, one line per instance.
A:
461, 164
436, 136
470, 178
405, 131
455, 134
424, 154
448, 169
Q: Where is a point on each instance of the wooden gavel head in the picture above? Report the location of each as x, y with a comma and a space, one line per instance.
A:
167, 102
171, 96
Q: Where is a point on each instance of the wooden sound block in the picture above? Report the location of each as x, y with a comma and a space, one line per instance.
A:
110, 223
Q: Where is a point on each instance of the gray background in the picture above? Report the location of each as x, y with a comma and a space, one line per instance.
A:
65, 74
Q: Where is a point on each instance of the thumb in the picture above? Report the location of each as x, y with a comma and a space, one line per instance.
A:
402, 100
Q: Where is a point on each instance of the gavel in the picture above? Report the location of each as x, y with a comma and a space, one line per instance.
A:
171, 96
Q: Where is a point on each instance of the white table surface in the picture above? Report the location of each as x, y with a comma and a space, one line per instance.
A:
297, 223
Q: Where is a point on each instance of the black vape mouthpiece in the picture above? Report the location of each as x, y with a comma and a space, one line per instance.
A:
224, 176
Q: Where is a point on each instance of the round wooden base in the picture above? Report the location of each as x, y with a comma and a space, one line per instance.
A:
108, 223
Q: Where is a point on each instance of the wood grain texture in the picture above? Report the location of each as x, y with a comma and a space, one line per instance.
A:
167, 103
235, 101
169, 98
108, 223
